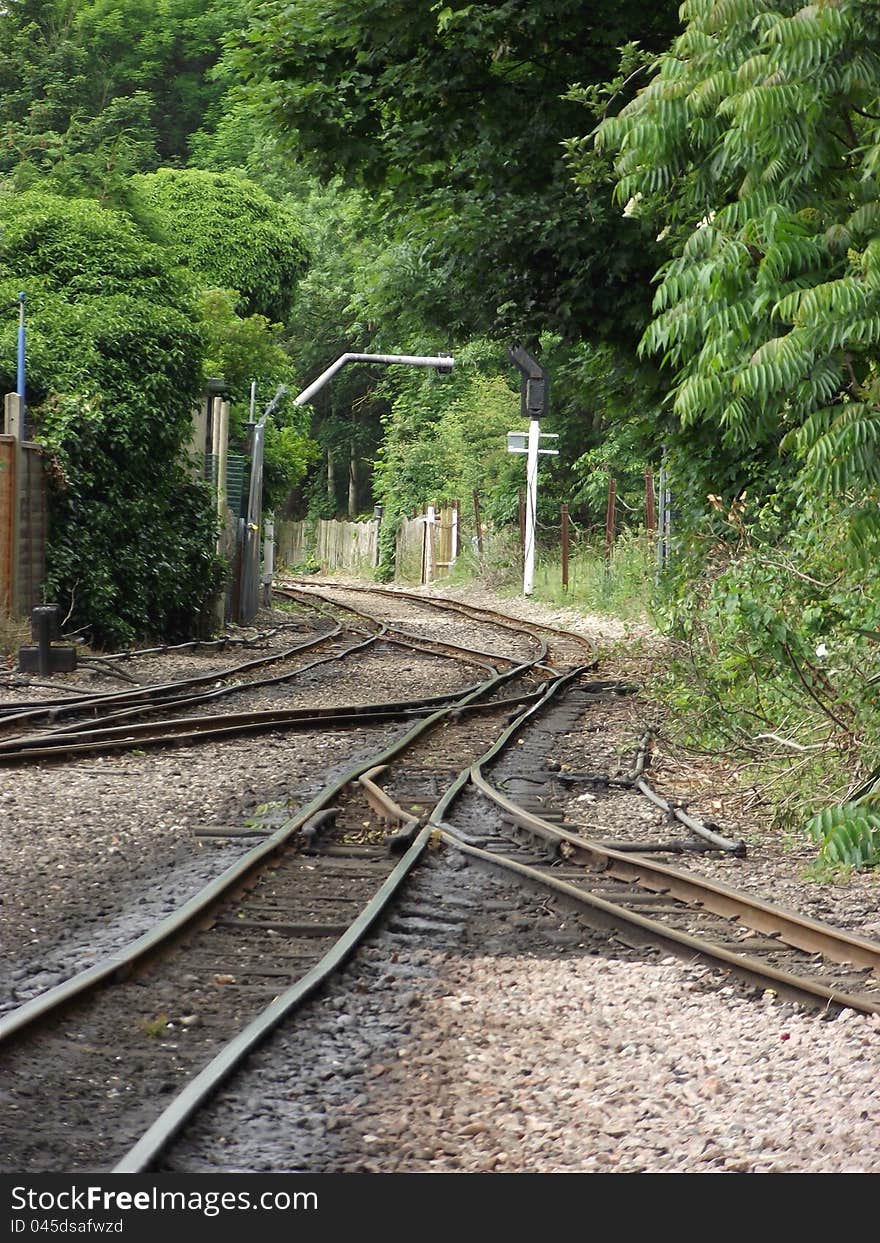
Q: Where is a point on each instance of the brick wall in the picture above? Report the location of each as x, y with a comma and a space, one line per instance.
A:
33, 526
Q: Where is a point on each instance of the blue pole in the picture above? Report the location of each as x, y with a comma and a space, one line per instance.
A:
20, 378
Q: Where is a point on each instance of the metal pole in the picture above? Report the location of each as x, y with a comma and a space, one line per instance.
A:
443, 363
531, 506
14, 425
424, 553
215, 439
661, 524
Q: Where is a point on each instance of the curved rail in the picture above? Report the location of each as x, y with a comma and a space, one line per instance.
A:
160, 691
656, 878
157, 1138
80, 984
114, 731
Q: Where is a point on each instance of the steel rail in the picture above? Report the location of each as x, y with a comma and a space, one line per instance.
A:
191, 645
160, 1134
799, 931
169, 1124
184, 1106
121, 963
187, 701
160, 689
14, 749
74, 740
610, 915
477, 612
125, 958
209, 728
139, 1158
409, 638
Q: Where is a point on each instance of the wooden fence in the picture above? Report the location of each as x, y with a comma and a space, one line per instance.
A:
426, 545
330, 544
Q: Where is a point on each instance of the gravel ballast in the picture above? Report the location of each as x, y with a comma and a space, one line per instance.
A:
514, 1059
499, 1052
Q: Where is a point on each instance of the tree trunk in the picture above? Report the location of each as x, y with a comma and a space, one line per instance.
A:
352, 483
331, 480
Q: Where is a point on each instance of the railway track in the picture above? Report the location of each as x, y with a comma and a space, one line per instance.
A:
223, 956
116, 721
568, 648
90, 1065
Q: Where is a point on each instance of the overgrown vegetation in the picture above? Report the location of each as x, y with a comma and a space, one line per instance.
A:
114, 369
621, 585
755, 151
203, 187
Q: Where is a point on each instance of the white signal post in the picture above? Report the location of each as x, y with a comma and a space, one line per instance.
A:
530, 444
534, 390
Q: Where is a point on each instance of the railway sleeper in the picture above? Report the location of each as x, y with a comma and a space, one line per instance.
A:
285, 929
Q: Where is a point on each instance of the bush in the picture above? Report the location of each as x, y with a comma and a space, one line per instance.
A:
114, 368
229, 232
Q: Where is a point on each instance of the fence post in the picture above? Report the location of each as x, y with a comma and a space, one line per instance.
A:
609, 518
564, 518
424, 550
378, 515
431, 560
650, 518
268, 559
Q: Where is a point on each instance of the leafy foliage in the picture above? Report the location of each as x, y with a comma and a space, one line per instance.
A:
229, 232
775, 655
455, 115
91, 90
251, 350
131, 552
114, 366
757, 144
446, 436
848, 833
755, 152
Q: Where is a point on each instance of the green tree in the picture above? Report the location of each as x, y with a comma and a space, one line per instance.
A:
757, 147
228, 232
446, 436
456, 114
756, 150
92, 90
251, 351
114, 368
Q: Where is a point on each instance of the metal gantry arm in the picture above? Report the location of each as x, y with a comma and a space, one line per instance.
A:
442, 362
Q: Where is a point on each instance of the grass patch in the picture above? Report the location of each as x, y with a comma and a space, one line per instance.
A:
14, 632
620, 587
